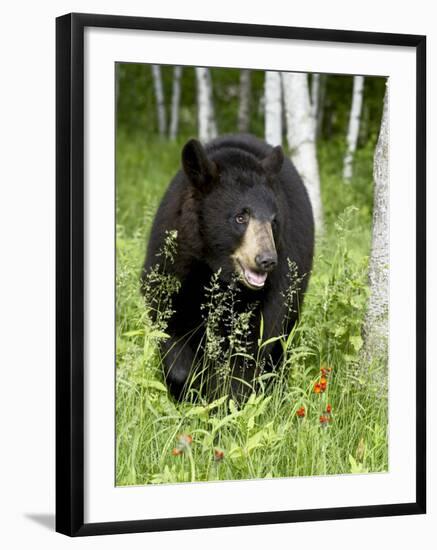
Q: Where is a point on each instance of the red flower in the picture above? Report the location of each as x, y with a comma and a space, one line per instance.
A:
328, 409
325, 370
300, 412
218, 455
324, 421
320, 386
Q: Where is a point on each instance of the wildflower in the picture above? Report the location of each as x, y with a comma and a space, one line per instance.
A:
328, 409
218, 455
320, 386
300, 412
183, 443
325, 371
324, 420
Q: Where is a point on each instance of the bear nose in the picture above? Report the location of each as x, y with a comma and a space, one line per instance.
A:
266, 260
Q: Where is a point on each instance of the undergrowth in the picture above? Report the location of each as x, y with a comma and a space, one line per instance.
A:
323, 414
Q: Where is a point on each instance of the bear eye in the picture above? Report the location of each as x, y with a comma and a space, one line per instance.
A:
243, 217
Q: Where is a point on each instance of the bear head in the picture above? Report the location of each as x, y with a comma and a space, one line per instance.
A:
237, 209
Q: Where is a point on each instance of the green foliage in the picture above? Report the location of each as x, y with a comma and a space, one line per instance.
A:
285, 429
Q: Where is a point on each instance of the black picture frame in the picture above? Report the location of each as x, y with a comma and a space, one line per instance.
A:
70, 273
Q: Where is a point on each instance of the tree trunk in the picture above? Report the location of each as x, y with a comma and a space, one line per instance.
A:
160, 103
117, 85
244, 107
175, 100
354, 127
375, 328
321, 105
273, 108
315, 94
301, 138
207, 127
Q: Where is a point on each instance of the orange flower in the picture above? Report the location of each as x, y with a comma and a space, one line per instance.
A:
300, 412
323, 383
317, 388
328, 409
183, 443
218, 455
325, 370
324, 421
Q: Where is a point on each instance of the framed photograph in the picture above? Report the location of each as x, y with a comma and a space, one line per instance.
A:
240, 274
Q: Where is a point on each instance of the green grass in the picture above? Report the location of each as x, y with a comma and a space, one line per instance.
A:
265, 438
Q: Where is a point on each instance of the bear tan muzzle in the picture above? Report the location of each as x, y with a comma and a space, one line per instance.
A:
256, 256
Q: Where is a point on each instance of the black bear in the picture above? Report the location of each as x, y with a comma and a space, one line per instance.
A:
240, 211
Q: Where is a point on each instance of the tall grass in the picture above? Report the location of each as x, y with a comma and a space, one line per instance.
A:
293, 428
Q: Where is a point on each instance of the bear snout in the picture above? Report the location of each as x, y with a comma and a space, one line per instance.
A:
267, 261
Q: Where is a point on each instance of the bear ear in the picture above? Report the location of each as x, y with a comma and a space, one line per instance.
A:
272, 163
198, 168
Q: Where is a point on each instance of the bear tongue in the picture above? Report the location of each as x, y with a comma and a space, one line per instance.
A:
255, 279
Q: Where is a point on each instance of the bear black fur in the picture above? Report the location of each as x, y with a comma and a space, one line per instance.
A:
234, 186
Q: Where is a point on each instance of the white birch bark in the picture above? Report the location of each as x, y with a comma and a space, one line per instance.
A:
160, 103
354, 127
117, 83
315, 92
244, 105
207, 127
375, 328
321, 104
301, 138
273, 108
175, 100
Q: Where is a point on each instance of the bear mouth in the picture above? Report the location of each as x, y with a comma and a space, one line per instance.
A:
251, 278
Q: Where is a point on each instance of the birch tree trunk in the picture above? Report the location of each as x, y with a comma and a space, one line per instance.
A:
321, 104
301, 138
207, 127
273, 108
244, 106
375, 328
117, 84
175, 100
315, 92
354, 127
160, 103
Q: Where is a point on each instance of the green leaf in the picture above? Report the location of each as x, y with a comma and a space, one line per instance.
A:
232, 407
357, 467
356, 302
153, 384
254, 441
340, 331
271, 340
133, 333
357, 342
